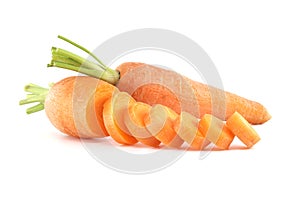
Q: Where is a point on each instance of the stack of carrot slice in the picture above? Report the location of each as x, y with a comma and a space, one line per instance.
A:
153, 125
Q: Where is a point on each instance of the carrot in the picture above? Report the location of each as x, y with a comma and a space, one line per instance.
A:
73, 105
215, 131
114, 130
121, 103
153, 85
186, 126
242, 129
134, 120
160, 122
182, 94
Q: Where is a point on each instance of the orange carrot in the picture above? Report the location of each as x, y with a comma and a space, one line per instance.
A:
153, 85
113, 129
186, 126
216, 131
160, 122
73, 105
182, 94
134, 121
242, 129
121, 103
101, 95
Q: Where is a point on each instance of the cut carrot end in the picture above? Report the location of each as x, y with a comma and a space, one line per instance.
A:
242, 129
216, 131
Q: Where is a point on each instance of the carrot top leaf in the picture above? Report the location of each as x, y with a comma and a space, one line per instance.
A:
84, 49
36, 94
67, 60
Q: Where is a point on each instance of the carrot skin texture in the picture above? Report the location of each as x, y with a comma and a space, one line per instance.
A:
72, 104
58, 107
210, 100
242, 129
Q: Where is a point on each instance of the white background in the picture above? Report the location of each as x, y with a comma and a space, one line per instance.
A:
255, 46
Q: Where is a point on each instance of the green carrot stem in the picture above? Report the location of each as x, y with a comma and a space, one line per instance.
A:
35, 108
63, 56
37, 95
82, 48
64, 59
80, 69
67, 60
33, 99
66, 54
34, 89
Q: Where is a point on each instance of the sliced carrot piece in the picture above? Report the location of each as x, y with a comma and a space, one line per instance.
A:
121, 103
134, 120
177, 140
95, 107
242, 129
112, 128
216, 131
186, 126
159, 123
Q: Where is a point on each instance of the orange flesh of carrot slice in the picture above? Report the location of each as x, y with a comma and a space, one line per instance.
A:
112, 128
159, 123
95, 108
242, 129
216, 131
135, 123
177, 141
121, 104
186, 126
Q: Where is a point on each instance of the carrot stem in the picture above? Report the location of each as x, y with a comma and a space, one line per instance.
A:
84, 70
67, 60
84, 49
37, 94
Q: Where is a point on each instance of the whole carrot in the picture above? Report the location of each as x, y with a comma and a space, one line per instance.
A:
186, 95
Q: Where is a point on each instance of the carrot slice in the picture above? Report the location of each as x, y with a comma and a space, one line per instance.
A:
134, 121
112, 128
216, 131
121, 103
186, 126
95, 107
159, 123
242, 129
